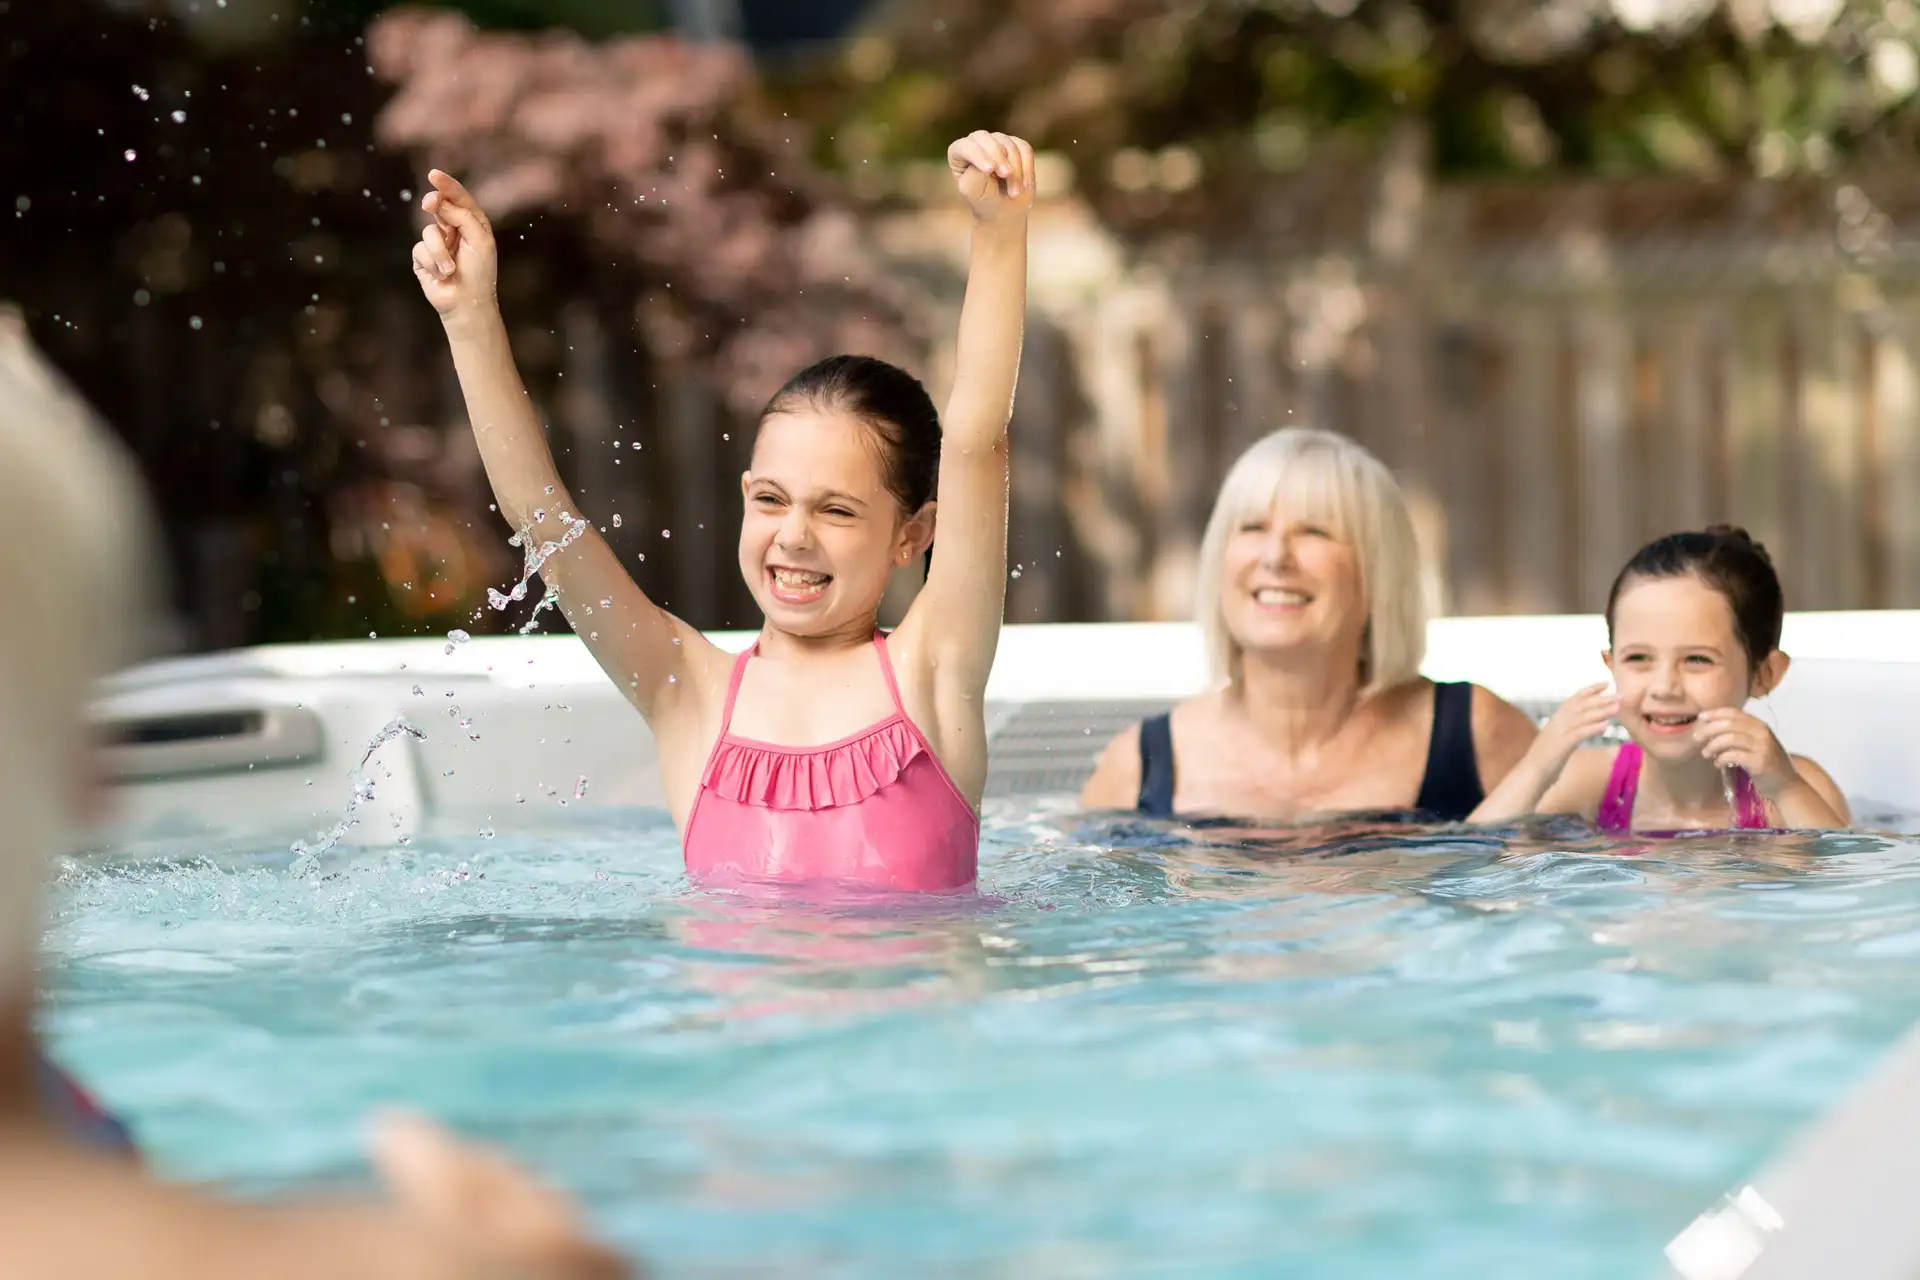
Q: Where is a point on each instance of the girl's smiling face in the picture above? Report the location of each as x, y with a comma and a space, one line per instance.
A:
1676, 653
821, 534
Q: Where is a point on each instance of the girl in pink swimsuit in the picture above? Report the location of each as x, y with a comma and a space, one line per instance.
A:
827, 752
1694, 622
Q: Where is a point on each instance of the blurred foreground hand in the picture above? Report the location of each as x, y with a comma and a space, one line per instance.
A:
478, 1198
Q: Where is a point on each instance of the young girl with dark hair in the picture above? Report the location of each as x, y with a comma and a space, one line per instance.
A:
1693, 622
828, 751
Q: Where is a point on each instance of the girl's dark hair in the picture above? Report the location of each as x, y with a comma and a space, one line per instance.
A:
1729, 561
886, 399
891, 403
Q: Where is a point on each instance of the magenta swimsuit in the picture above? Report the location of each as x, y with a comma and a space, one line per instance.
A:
874, 810
1623, 784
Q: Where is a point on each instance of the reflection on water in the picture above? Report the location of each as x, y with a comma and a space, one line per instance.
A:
1353, 1049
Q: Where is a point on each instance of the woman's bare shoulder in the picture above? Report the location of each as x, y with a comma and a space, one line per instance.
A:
1115, 783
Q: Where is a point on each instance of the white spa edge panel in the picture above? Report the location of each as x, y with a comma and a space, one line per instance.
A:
268, 736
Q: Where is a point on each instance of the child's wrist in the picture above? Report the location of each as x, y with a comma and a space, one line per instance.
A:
1544, 763
471, 319
1007, 228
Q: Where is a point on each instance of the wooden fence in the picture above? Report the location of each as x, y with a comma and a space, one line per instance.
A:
1558, 373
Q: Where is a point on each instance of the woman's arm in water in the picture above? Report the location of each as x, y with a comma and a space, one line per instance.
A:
647, 651
957, 615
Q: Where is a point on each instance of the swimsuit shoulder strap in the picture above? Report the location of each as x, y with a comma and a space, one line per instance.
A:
1156, 766
1451, 788
1623, 784
886, 671
733, 686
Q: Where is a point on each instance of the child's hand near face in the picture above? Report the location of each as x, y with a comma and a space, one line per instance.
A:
1580, 718
1733, 738
1527, 784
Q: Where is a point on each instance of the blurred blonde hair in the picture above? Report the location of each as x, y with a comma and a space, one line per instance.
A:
76, 533
1309, 474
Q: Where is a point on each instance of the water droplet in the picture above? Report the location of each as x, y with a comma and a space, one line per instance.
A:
616, 522
130, 154
194, 322
539, 515
418, 692
179, 117
549, 488
666, 533
140, 93
580, 788
456, 637
486, 833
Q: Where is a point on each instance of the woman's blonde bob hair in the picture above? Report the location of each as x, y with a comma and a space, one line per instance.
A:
1309, 474
79, 582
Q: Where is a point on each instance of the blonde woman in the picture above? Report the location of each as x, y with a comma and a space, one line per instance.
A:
1310, 603
450, 1212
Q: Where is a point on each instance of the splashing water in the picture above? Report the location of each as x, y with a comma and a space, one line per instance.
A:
1733, 799
305, 856
535, 557
456, 637
547, 601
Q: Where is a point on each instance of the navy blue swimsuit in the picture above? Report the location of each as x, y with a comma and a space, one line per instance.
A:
1449, 791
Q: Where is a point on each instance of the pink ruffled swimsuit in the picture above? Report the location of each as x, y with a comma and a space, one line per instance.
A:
876, 810
1623, 784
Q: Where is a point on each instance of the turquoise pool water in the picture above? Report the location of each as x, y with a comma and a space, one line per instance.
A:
1353, 1052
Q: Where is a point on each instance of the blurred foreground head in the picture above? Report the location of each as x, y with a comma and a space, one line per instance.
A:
77, 575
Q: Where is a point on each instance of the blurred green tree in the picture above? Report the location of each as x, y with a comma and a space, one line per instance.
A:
1149, 98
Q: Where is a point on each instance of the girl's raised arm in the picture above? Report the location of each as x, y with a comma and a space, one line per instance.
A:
958, 612
647, 651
